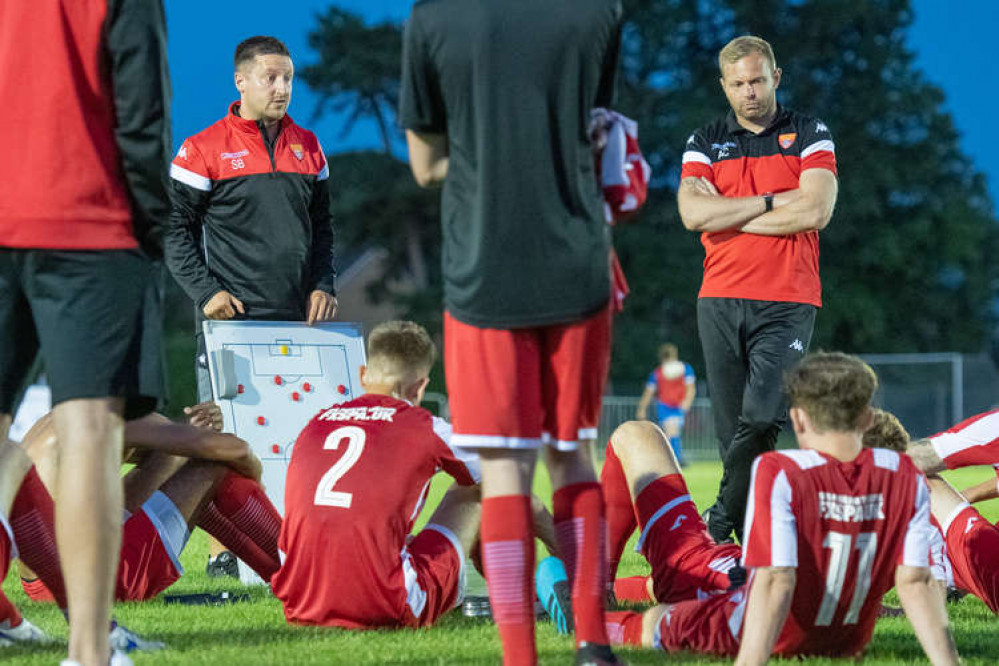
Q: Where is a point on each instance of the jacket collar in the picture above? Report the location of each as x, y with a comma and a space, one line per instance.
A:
249, 126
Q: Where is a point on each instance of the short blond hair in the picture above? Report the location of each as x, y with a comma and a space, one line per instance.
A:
399, 351
833, 388
886, 432
740, 47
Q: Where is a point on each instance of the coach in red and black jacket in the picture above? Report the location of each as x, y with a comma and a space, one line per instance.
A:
759, 184
250, 232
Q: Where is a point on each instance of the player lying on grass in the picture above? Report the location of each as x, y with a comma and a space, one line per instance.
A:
832, 511
357, 479
184, 476
972, 541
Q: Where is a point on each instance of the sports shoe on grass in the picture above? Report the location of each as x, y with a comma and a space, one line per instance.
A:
117, 659
594, 654
224, 564
23, 633
553, 590
123, 639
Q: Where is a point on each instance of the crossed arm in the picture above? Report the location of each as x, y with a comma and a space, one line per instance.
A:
807, 208
428, 157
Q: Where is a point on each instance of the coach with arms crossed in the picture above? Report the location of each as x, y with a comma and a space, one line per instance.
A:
759, 184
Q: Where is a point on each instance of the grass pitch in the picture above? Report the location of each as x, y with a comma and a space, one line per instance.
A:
254, 632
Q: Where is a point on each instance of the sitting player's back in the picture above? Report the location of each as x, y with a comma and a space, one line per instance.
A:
845, 527
358, 478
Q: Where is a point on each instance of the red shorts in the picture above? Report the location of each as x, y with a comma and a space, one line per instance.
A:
6, 547
144, 570
973, 548
518, 388
705, 627
686, 562
440, 573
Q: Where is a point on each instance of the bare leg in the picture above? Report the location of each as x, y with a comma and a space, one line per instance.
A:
460, 511
944, 499
6, 420
13, 466
645, 454
191, 487
88, 518
147, 477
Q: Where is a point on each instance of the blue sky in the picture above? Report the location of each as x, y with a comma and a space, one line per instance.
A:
950, 41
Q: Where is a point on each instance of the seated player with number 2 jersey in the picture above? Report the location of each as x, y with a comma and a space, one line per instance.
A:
855, 518
357, 479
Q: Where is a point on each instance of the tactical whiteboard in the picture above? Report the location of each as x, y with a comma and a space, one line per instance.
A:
270, 378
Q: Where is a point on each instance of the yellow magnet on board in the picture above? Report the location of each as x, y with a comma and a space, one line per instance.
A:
284, 350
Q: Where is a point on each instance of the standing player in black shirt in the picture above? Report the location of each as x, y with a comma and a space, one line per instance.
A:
496, 101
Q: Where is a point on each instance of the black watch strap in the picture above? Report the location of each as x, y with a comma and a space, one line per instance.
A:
768, 199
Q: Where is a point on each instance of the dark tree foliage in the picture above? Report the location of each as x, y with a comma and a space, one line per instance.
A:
358, 70
904, 260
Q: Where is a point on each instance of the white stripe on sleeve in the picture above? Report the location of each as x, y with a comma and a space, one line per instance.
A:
919, 535
818, 146
195, 180
695, 156
783, 525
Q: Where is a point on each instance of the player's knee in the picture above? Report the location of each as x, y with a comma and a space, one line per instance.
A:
633, 436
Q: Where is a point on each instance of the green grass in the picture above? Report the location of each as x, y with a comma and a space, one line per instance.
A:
254, 632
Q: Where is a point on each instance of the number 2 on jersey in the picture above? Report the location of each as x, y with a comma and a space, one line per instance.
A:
325, 495
840, 548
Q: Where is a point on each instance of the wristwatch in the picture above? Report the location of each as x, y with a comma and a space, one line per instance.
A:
768, 199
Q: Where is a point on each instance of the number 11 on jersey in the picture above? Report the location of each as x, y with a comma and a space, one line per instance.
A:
840, 548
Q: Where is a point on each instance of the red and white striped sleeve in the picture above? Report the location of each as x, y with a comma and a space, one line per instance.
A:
771, 533
919, 532
189, 168
697, 159
462, 464
818, 151
974, 441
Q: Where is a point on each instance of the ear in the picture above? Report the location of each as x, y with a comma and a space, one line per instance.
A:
866, 421
799, 420
414, 391
777, 73
361, 371
240, 80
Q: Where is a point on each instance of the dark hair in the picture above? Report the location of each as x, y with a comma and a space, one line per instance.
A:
833, 388
668, 352
886, 432
251, 47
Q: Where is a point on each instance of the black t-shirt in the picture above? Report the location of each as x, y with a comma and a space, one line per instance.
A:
512, 84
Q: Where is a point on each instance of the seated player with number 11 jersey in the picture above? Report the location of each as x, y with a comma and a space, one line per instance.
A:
830, 528
357, 480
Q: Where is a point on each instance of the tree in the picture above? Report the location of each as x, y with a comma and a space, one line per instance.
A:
904, 260
357, 72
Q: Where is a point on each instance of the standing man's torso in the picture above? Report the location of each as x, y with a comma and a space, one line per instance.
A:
742, 164
256, 224
512, 85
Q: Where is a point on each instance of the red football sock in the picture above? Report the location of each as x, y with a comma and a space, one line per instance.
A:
32, 518
244, 520
624, 627
508, 557
9, 616
632, 588
579, 527
618, 509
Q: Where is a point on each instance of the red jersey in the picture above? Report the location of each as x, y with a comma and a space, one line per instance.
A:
87, 140
974, 441
741, 164
357, 480
671, 389
845, 527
